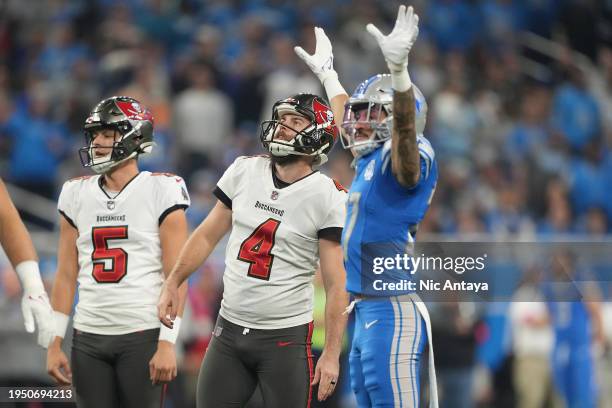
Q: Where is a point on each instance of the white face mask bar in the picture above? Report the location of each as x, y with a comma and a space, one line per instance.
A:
280, 148
366, 121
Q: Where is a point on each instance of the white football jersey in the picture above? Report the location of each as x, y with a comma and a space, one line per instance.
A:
119, 250
273, 249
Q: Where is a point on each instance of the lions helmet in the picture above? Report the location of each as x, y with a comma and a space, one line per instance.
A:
130, 119
375, 96
316, 139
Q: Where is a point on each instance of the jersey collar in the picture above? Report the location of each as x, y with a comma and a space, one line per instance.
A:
101, 180
280, 184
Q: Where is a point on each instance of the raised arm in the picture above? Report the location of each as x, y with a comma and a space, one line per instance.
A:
198, 247
405, 160
321, 63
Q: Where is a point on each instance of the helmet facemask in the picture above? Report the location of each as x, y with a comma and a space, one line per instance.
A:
133, 133
361, 118
314, 140
373, 100
126, 147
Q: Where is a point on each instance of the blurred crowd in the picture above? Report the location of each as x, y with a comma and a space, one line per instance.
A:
521, 125
519, 95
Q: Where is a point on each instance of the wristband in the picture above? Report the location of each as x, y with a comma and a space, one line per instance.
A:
29, 274
61, 324
400, 80
170, 335
332, 85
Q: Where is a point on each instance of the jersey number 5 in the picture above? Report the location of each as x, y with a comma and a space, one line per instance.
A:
255, 250
102, 254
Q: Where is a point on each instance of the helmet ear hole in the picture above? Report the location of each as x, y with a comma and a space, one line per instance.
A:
308, 140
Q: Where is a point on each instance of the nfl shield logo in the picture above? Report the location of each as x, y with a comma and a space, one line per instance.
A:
110, 205
274, 195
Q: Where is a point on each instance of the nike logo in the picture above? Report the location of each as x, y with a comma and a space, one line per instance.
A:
283, 343
369, 324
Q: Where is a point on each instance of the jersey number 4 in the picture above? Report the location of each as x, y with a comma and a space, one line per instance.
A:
102, 255
255, 250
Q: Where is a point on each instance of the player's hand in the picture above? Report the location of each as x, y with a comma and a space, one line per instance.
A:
37, 312
58, 365
396, 46
326, 375
321, 63
167, 308
162, 367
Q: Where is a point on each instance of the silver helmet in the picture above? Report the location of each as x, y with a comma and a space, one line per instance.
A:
366, 106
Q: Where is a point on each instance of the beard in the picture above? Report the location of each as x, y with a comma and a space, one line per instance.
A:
284, 160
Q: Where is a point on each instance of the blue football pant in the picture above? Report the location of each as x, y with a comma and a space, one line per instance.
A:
387, 346
574, 375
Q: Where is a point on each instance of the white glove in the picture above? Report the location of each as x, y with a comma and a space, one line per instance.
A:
396, 46
37, 312
35, 304
321, 63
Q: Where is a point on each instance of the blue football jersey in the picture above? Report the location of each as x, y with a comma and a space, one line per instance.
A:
382, 215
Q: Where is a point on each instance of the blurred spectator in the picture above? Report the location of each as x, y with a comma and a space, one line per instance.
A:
558, 220
530, 132
532, 341
35, 138
509, 218
244, 86
453, 25
501, 19
287, 76
588, 179
203, 119
454, 343
203, 183
453, 120
575, 314
576, 114
60, 54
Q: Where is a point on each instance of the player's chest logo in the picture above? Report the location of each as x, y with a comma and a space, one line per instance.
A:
274, 195
110, 204
369, 171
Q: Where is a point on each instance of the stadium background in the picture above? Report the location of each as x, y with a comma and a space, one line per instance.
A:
520, 115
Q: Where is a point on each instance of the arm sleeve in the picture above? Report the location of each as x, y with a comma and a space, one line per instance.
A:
228, 183
174, 196
332, 225
221, 196
65, 203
